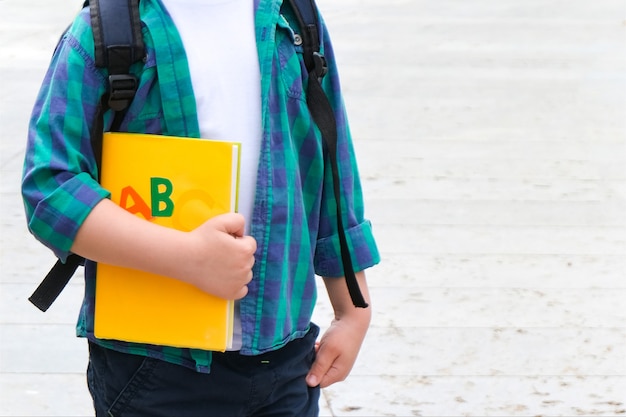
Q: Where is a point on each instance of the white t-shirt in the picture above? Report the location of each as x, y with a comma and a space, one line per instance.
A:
219, 40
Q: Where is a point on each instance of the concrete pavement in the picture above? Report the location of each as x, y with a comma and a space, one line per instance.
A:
492, 142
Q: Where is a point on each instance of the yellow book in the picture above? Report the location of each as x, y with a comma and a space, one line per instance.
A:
178, 183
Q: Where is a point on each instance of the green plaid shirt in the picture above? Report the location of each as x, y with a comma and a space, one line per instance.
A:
293, 220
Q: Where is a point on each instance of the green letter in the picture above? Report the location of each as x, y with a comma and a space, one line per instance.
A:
160, 192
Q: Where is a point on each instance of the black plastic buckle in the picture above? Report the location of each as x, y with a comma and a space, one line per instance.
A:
321, 66
122, 89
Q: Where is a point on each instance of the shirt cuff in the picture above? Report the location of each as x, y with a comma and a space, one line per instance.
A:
363, 251
58, 217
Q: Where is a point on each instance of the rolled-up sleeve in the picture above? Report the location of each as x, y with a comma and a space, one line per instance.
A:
363, 251
358, 230
59, 183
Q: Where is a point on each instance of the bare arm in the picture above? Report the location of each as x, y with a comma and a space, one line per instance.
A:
340, 345
215, 257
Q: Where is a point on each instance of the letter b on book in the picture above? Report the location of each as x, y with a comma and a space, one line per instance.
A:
160, 193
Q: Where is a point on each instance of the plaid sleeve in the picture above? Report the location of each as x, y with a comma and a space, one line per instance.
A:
358, 229
59, 184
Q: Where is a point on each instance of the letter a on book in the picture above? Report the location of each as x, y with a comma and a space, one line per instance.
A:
178, 183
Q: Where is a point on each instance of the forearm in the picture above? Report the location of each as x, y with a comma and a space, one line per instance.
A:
215, 257
112, 235
342, 302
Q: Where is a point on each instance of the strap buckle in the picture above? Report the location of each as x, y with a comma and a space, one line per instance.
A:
122, 89
320, 65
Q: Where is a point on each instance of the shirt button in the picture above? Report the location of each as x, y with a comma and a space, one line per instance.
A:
297, 40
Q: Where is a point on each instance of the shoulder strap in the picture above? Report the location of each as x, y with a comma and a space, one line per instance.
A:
324, 117
118, 45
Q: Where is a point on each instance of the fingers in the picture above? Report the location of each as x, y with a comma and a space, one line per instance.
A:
231, 223
327, 368
242, 293
224, 257
318, 370
241, 251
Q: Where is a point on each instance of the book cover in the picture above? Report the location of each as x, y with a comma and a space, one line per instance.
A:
179, 183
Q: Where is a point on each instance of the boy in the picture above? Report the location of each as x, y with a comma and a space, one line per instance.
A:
220, 69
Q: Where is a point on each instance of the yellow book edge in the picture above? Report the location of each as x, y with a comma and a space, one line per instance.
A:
140, 307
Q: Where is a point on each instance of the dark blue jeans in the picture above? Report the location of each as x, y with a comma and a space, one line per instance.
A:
271, 384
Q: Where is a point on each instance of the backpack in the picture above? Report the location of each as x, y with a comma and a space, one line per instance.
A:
119, 44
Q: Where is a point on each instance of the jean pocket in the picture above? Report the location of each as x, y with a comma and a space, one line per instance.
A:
117, 381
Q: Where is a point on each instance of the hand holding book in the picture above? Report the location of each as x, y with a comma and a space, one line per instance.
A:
224, 257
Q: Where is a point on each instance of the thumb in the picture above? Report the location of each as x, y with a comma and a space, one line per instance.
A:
231, 223
318, 370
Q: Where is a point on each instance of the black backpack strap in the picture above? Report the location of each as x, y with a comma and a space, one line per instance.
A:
308, 19
56, 280
118, 45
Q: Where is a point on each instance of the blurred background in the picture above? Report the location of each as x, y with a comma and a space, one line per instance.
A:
491, 136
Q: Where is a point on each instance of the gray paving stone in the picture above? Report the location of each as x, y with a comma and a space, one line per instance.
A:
44, 395
506, 395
